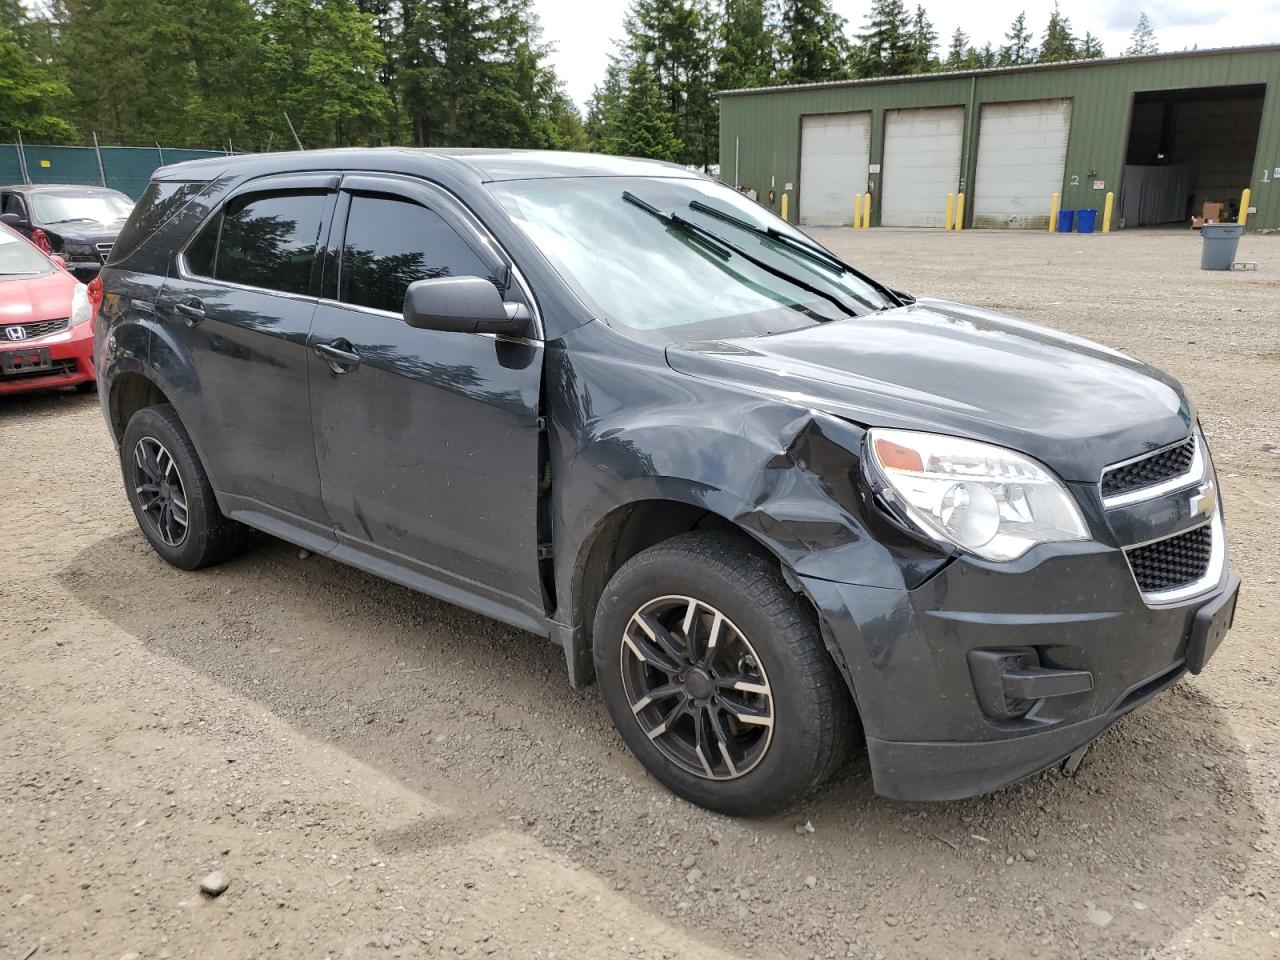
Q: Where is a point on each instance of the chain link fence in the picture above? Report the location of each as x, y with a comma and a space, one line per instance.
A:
127, 169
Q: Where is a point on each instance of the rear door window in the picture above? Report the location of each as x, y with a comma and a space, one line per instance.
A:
390, 243
264, 239
269, 240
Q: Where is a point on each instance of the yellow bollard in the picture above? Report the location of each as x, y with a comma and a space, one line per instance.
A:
866, 212
951, 211
857, 211
784, 206
959, 211
1244, 206
1107, 209
1055, 204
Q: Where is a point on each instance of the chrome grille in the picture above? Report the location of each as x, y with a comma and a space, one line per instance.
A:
1150, 470
1173, 562
32, 330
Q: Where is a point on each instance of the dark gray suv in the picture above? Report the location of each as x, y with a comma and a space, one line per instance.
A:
767, 503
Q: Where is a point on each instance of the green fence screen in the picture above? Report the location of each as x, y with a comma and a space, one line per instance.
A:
127, 169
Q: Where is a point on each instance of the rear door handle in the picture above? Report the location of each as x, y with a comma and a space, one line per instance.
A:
192, 309
339, 354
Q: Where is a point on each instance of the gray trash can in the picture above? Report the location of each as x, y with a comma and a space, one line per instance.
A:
1220, 242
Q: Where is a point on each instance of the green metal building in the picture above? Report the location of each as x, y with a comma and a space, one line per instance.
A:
1166, 133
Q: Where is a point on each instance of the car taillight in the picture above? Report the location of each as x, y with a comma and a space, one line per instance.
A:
95, 293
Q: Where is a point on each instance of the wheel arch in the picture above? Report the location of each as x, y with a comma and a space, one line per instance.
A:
130, 392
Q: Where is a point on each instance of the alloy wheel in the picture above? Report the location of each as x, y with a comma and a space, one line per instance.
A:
161, 496
697, 687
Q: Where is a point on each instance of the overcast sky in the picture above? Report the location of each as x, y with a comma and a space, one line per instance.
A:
583, 32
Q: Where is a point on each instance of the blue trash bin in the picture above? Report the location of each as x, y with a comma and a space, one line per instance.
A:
1066, 220
1085, 221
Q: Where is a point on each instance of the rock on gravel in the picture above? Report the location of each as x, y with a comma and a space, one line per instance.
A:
214, 884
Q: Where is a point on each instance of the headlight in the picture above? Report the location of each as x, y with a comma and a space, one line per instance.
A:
990, 501
79, 251
81, 308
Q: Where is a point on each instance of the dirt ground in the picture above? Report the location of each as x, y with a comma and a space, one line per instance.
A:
380, 774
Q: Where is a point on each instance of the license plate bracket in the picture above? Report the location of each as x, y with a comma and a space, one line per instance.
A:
1210, 626
29, 360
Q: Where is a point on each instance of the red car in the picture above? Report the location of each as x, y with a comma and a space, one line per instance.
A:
46, 320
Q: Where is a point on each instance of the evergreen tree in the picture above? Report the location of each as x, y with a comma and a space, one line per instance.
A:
31, 99
746, 55
813, 47
645, 127
1021, 47
321, 65
474, 73
924, 41
957, 52
673, 37
886, 41
1143, 39
1059, 44
606, 106
1091, 48
986, 57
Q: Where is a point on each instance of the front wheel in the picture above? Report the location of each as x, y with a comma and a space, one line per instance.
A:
716, 676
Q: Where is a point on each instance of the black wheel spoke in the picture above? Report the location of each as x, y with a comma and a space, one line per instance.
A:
744, 683
649, 652
662, 636
722, 741
665, 724
703, 740
757, 716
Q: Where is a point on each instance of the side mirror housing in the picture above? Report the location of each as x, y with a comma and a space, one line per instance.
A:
12, 220
463, 305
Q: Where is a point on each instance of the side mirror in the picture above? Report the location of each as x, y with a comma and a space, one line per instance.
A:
59, 261
463, 305
12, 220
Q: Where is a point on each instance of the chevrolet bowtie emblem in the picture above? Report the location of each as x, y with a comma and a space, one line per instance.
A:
1204, 501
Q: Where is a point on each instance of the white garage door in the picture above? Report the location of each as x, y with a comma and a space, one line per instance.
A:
835, 149
921, 165
1022, 153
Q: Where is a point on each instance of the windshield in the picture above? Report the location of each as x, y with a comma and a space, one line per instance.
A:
650, 256
19, 258
102, 207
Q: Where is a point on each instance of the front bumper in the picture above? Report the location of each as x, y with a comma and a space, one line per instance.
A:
71, 352
907, 655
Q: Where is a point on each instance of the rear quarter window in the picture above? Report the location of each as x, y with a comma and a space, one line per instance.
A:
160, 201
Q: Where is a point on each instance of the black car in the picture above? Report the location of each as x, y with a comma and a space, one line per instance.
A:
79, 223
754, 494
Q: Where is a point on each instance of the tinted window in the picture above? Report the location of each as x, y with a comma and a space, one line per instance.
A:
391, 243
13, 204
161, 200
201, 252
269, 240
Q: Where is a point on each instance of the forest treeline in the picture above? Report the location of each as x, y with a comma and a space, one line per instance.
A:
264, 74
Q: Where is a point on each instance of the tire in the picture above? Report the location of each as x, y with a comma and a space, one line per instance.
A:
156, 444
768, 639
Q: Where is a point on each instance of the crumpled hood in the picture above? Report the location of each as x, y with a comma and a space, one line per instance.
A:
31, 299
942, 367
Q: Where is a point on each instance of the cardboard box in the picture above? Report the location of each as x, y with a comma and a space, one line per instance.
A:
1212, 211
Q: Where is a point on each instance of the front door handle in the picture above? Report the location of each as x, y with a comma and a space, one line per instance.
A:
192, 309
339, 354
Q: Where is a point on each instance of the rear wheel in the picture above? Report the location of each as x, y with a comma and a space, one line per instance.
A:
716, 675
170, 493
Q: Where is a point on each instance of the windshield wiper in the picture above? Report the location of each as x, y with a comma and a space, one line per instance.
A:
75, 220
810, 250
715, 240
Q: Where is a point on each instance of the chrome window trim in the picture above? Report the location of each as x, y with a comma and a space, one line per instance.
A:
1213, 572
1195, 474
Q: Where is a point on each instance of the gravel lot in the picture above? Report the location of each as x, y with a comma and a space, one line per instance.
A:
377, 773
